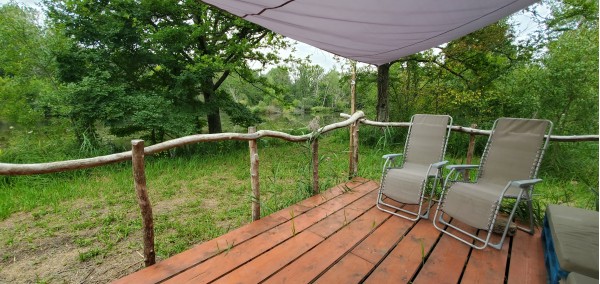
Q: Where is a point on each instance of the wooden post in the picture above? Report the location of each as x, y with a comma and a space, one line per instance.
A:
139, 178
315, 165
354, 151
470, 152
254, 176
352, 167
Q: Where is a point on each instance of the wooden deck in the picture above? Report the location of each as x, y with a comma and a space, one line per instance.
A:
340, 236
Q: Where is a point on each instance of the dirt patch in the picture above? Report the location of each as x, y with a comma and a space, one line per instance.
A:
40, 247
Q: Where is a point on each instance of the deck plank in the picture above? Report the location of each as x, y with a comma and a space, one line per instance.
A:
489, 264
266, 264
314, 262
406, 258
355, 265
350, 269
447, 260
527, 259
385, 237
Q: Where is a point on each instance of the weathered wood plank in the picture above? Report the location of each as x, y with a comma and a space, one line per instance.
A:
350, 269
403, 262
447, 260
383, 239
310, 265
266, 264
355, 266
487, 265
527, 259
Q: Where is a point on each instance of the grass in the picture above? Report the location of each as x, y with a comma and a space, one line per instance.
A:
201, 194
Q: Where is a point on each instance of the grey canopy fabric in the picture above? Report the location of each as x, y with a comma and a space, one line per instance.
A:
372, 31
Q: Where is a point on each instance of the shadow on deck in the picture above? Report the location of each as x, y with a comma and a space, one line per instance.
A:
339, 236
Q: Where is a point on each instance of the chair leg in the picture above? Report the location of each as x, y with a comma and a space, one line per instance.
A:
431, 195
527, 194
531, 229
510, 218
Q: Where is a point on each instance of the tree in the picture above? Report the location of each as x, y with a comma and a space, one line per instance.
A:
162, 61
27, 67
306, 79
570, 67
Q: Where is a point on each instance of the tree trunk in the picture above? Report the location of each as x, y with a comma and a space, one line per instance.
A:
383, 78
214, 122
214, 115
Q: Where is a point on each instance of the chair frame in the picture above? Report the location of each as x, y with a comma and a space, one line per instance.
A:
525, 192
390, 159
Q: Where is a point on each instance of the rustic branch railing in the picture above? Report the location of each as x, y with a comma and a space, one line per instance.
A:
53, 167
138, 152
475, 131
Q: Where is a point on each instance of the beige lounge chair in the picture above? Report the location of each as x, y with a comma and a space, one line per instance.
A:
423, 154
508, 169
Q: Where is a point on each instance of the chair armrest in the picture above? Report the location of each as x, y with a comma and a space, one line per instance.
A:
391, 156
524, 182
461, 167
439, 164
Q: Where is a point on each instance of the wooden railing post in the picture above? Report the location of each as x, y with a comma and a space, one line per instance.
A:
353, 155
139, 178
315, 165
353, 164
254, 176
470, 151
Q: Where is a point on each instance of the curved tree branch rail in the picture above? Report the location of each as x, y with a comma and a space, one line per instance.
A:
53, 167
475, 131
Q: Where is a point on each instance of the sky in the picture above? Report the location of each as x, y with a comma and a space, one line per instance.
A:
525, 26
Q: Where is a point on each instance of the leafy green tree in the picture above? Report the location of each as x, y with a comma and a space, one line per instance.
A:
27, 66
569, 69
158, 66
306, 82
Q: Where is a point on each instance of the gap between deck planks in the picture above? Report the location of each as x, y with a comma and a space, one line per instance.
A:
340, 236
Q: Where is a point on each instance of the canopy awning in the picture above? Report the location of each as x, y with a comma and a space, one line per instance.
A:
372, 31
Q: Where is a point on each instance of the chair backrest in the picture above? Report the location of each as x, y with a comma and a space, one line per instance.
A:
427, 139
514, 150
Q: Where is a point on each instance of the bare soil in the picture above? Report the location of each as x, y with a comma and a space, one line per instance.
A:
34, 253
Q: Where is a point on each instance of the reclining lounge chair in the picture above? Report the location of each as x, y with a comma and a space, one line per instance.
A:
508, 169
423, 154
